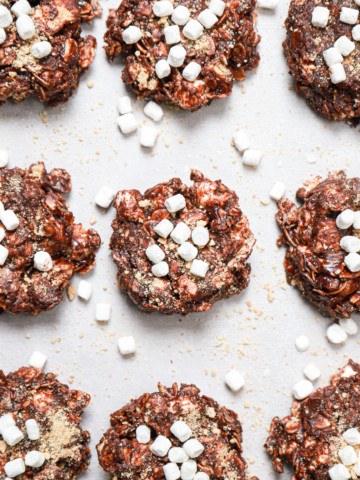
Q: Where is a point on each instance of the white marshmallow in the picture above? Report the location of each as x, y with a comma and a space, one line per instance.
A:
335, 334
241, 140
84, 290
352, 436
302, 343
163, 8
312, 372
43, 261
143, 434
277, 191
4, 252
162, 69
350, 244
21, 7
302, 389
25, 27
234, 380
2, 38
176, 56
2, 234
201, 476
154, 253
34, 459
37, 360
320, 17
180, 15
269, 4
178, 455
15, 467
187, 251
344, 45
160, 269
337, 73
181, 233
127, 345
32, 429
181, 431
175, 203
103, 312
355, 32
4, 158
252, 157
9, 220
148, 136
347, 455
207, 18
193, 30
200, 236
153, 111
193, 448
191, 71
188, 470
332, 56
348, 372
352, 261
124, 105
356, 222
41, 49
12, 435
160, 446
199, 268
349, 325
217, 7
131, 35
127, 123
345, 219
105, 196
349, 15
339, 472
5, 17
164, 228
171, 471
6, 421
172, 34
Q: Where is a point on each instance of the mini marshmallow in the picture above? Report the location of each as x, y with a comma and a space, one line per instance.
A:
191, 71
356, 222
180, 15
302, 343
32, 429
84, 290
143, 434
181, 233
352, 261
348, 372
181, 431
312, 372
352, 436
349, 15
178, 455
171, 471
217, 7
105, 196
200, 236
154, 253
199, 268
4, 252
5, 17
347, 455
103, 312
176, 56
21, 7
175, 203
124, 105
6, 421
193, 30
162, 69
34, 459
172, 34
188, 470
355, 32
148, 136
339, 472
277, 191
350, 244
349, 326
2, 37
25, 27
302, 389
269, 4
153, 111
193, 448
337, 73
234, 380
4, 158
160, 446
344, 45
127, 123
332, 56
12, 435
201, 476
252, 157
163, 8
320, 17
41, 49
2, 234
160, 269
131, 35
37, 360
207, 18
187, 251
345, 219
15, 467
127, 345
9, 220
335, 334
43, 261
241, 140
164, 228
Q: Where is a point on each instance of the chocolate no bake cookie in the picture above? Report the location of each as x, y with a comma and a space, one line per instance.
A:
219, 56
171, 430
304, 47
200, 261
36, 225
316, 261
48, 64
321, 437
40, 427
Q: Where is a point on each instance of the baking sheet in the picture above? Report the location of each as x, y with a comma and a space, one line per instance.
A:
253, 332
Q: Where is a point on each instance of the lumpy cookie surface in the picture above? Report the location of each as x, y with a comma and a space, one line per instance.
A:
209, 204
215, 427
53, 78
224, 51
314, 260
45, 224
